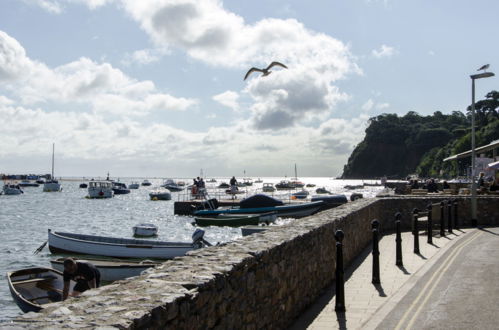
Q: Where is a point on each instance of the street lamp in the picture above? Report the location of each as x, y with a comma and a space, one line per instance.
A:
473, 152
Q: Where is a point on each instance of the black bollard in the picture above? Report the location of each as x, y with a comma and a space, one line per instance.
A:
375, 226
429, 228
449, 216
456, 224
398, 240
442, 219
415, 230
340, 281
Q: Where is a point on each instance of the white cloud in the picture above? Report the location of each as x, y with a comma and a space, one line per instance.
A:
368, 105
228, 99
384, 51
143, 56
371, 104
381, 106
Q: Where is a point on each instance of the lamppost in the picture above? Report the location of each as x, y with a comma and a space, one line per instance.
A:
473, 152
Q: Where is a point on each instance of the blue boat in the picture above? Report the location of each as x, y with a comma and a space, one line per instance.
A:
263, 204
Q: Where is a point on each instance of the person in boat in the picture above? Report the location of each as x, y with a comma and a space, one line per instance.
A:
84, 274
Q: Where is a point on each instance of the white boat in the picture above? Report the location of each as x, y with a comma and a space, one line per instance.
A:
268, 187
12, 189
160, 195
100, 189
134, 185
60, 242
145, 230
171, 185
52, 184
300, 194
112, 269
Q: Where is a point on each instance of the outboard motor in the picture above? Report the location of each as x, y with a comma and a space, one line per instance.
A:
198, 238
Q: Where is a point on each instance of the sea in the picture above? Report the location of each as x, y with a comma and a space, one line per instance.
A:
26, 218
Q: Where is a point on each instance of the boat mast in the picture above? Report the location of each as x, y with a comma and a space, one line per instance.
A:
53, 149
296, 176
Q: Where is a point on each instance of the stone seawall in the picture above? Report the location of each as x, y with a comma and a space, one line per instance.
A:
260, 281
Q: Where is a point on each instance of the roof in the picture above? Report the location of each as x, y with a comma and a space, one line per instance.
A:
492, 145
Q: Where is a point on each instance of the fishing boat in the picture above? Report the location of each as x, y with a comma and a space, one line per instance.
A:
285, 185
32, 288
145, 230
160, 195
171, 185
100, 189
60, 242
268, 187
119, 188
236, 220
262, 204
300, 194
52, 184
112, 269
134, 185
146, 183
11, 189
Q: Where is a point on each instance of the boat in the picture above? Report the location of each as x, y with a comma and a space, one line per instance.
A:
234, 191
120, 188
182, 183
100, 189
351, 187
260, 203
310, 185
60, 242
247, 182
268, 187
160, 194
112, 269
32, 288
212, 180
300, 194
40, 181
322, 191
171, 185
83, 185
145, 230
11, 189
224, 185
134, 185
236, 220
295, 182
52, 184
330, 201
285, 185
146, 183
258, 180
27, 183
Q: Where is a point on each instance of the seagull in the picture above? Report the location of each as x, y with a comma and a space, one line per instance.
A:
484, 67
265, 71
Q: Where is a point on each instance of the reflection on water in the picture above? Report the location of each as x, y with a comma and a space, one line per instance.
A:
24, 220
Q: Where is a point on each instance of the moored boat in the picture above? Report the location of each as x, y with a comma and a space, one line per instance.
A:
284, 185
322, 191
60, 242
112, 269
160, 195
300, 194
27, 183
83, 185
145, 230
52, 184
100, 189
236, 220
31, 288
146, 183
268, 187
171, 185
11, 189
134, 185
119, 188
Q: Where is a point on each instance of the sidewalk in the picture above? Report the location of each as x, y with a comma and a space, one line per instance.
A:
362, 298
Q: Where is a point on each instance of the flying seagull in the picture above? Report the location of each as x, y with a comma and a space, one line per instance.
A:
265, 71
484, 67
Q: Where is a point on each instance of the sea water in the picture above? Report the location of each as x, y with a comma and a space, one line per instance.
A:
26, 218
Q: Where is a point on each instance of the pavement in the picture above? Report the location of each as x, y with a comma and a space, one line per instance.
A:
451, 284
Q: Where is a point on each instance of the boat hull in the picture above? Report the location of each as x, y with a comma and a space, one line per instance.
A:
292, 211
236, 220
116, 247
51, 187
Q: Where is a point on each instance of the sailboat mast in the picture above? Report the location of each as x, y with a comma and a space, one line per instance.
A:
53, 149
296, 176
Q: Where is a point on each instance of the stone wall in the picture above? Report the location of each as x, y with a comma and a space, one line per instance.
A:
262, 281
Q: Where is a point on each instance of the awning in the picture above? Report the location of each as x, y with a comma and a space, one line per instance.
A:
494, 165
492, 145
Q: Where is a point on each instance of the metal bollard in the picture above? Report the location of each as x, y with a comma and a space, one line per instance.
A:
442, 220
429, 227
456, 224
415, 229
398, 241
375, 226
340, 280
449, 216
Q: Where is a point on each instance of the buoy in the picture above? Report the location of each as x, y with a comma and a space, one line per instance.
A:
155, 198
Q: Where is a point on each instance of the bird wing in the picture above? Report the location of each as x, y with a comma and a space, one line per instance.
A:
484, 67
252, 70
276, 63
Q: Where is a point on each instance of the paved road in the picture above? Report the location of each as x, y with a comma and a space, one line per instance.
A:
460, 291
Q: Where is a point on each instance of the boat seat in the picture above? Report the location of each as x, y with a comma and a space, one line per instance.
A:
34, 280
38, 298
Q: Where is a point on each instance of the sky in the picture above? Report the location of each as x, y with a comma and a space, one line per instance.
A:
155, 87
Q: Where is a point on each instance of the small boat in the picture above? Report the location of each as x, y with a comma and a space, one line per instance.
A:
330, 201
145, 230
212, 180
258, 180
160, 195
120, 188
146, 183
31, 288
223, 185
297, 184
112, 269
268, 187
322, 191
60, 242
351, 187
234, 191
171, 185
134, 185
100, 189
12, 189
83, 185
236, 220
26, 183
310, 185
247, 182
300, 194
284, 185
52, 184
181, 183
40, 181
262, 204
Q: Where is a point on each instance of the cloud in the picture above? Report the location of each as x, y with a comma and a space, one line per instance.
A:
384, 51
143, 56
368, 105
228, 99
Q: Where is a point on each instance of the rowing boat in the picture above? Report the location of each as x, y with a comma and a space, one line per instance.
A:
236, 220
